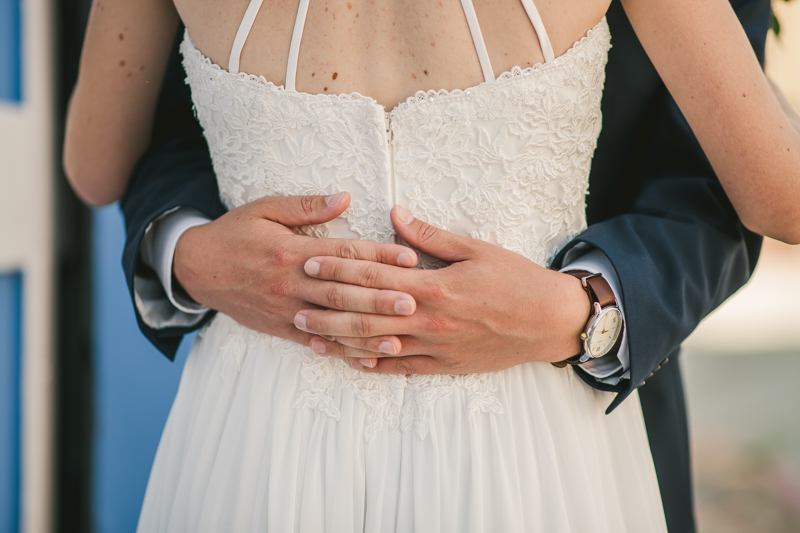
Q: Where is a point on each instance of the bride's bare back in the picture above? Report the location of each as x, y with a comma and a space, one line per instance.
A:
389, 49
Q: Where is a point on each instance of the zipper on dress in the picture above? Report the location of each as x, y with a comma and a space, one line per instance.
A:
390, 150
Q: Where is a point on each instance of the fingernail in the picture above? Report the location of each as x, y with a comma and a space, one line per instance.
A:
318, 347
387, 347
403, 307
405, 259
333, 199
403, 215
356, 365
312, 268
369, 363
300, 322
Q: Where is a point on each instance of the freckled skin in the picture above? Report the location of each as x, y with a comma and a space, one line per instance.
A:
383, 52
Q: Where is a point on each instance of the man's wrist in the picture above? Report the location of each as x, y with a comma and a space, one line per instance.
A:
182, 273
577, 308
604, 369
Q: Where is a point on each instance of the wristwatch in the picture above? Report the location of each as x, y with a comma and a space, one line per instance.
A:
603, 332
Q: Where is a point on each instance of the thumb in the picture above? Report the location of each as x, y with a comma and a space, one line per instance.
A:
293, 211
431, 240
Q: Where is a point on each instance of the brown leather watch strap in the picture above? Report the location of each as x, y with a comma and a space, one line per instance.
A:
602, 291
598, 290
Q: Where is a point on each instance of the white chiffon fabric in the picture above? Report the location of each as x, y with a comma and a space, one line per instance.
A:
265, 435
237, 455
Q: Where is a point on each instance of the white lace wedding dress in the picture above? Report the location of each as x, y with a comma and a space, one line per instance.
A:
264, 435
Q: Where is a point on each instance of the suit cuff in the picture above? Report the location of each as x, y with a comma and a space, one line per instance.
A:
610, 369
163, 307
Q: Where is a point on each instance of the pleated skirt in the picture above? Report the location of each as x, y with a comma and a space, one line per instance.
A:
264, 435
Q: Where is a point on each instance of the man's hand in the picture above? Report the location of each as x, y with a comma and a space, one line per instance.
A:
248, 264
489, 310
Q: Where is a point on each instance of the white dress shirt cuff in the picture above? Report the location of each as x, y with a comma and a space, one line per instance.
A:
157, 251
610, 369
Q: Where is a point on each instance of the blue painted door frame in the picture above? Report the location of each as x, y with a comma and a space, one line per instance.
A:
11, 51
10, 400
134, 387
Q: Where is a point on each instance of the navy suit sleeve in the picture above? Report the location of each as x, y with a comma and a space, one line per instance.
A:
176, 171
677, 244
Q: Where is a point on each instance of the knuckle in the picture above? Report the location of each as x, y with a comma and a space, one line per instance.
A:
384, 254
434, 324
388, 253
307, 205
403, 366
369, 275
335, 349
284, 257
459, 367
279, 287
336, 270
466, 247
360, 325
335, 297
380, 304
347, 250
427, 232
433, 290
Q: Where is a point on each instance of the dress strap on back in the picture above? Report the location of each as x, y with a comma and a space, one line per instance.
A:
477, 39
300, 22
480, 45
241, 35
541, 33
294, 48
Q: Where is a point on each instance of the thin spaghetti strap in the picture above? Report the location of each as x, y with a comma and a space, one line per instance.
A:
294, 49
241, 35
541, 33
477, 39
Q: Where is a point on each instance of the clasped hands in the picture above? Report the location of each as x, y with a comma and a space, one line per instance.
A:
487, 310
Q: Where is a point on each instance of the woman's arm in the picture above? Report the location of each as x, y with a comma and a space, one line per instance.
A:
110, 115
702, 53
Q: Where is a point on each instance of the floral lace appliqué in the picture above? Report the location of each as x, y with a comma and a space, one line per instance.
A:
506, 162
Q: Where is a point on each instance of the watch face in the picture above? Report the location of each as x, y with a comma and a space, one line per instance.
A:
603, 332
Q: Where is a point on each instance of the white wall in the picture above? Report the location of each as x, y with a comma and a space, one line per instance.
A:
783, 54
26, 244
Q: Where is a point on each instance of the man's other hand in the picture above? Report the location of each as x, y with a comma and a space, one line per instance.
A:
488, 310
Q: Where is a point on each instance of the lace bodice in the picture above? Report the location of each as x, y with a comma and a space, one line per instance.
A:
506, 161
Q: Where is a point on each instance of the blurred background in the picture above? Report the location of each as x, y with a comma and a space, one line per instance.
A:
83, 396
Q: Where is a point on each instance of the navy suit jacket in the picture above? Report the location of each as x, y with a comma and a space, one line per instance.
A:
655, 209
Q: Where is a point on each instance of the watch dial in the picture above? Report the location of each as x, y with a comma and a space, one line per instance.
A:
604, 332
